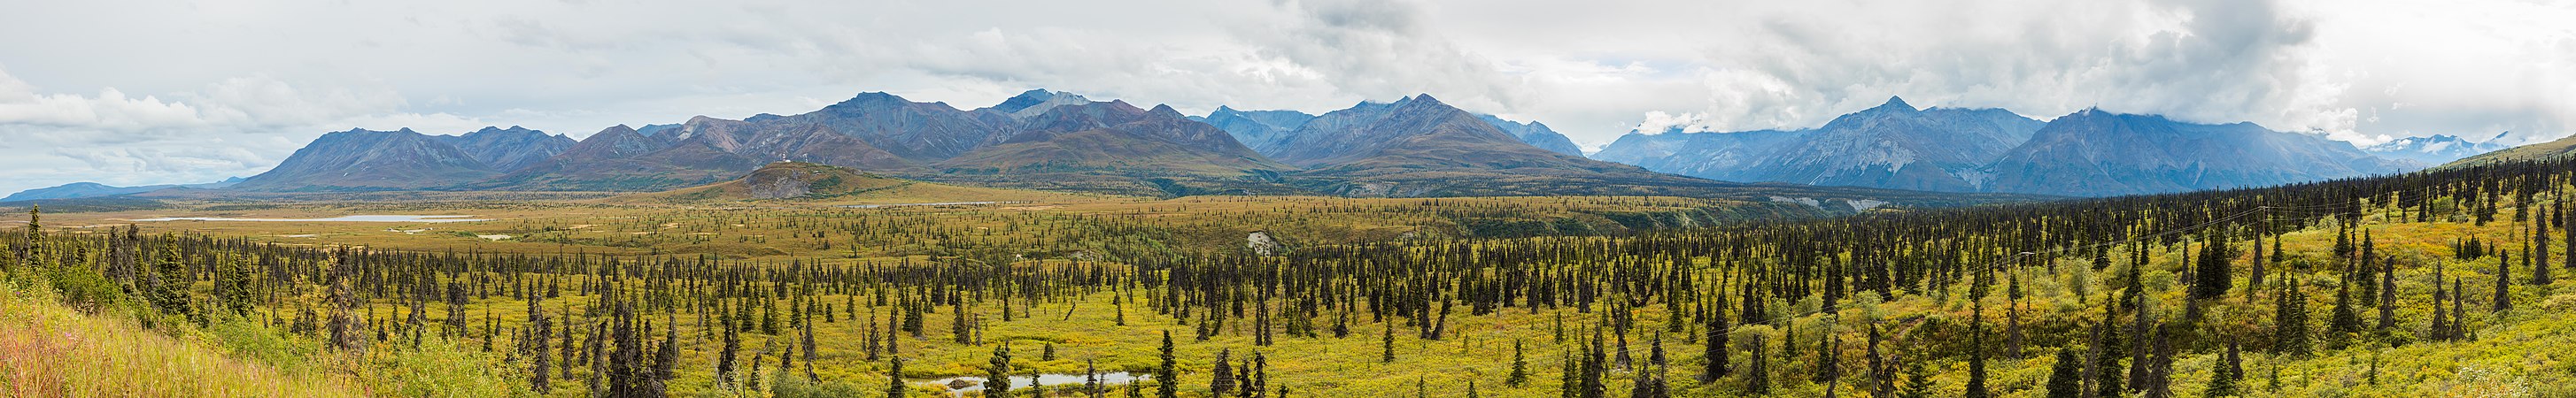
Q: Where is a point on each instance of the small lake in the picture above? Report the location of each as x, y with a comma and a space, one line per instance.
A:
1022, 382
355, 218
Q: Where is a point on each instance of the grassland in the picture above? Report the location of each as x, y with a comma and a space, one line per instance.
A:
2517, 352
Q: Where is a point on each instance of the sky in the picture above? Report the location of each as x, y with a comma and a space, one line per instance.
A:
133, 92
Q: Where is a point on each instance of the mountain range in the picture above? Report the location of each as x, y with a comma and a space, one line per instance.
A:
1410, 147
2088, 153
1040, 139
79, 190
2436, 149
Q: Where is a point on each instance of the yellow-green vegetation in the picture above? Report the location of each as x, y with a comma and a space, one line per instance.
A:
49, 348
1368, 297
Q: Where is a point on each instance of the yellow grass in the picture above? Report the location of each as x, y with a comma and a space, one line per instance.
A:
49, 350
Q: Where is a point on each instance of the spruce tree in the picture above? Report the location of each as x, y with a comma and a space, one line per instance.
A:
2211, 279
725, 357
2503, 285
1520, 366
1167, 379
2064, 379
2225, 378
1386, 345
1918, 381
1714, 351
997, 372
894, 378
2290, 322
1222, 381
1091, 379
1757, 380
167, 282
2346, 321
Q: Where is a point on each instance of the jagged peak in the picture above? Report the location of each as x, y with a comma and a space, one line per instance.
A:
1895, 103
617, 129
497, 129
1424, 98
1164, 110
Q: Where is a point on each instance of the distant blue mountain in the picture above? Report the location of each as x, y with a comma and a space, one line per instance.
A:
2089, 153
1265, 131
91, 190
2436, 149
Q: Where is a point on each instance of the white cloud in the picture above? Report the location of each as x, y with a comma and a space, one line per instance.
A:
135, 86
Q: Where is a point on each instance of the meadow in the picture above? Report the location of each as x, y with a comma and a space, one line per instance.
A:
1579, 296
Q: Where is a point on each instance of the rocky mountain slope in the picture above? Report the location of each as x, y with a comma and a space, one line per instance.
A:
2096, 153
365, 160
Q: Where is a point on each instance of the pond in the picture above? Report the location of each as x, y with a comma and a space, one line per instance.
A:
355, 218
976, 383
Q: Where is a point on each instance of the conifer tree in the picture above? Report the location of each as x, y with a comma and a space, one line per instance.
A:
2064, 379
235, 285
1167, 379
2211, 279
1714, 351
725, 357
997, 372
2503, 285
2387, 296
1222, 381
808, 331
540, 331
1520, 366
1918, 381
2224, 379
2346, 321
1091, 379
167, 282
2290, 322
894, 378
1386, 345
1756, 379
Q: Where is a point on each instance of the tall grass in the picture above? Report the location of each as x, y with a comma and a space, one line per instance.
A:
51, 350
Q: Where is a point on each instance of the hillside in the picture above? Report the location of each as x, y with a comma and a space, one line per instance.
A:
2096, 153
620, 159
817, 184
2355, 287
364, 160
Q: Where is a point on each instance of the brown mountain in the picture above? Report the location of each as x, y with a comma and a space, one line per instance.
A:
923, 132
1419, 146
780, 141
1116, 147
366, 160
509, 149
620, 159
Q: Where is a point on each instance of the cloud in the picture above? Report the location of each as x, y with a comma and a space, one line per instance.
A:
122, 91
233, 127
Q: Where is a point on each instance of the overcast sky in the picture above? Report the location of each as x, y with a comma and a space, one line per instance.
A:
130, 92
